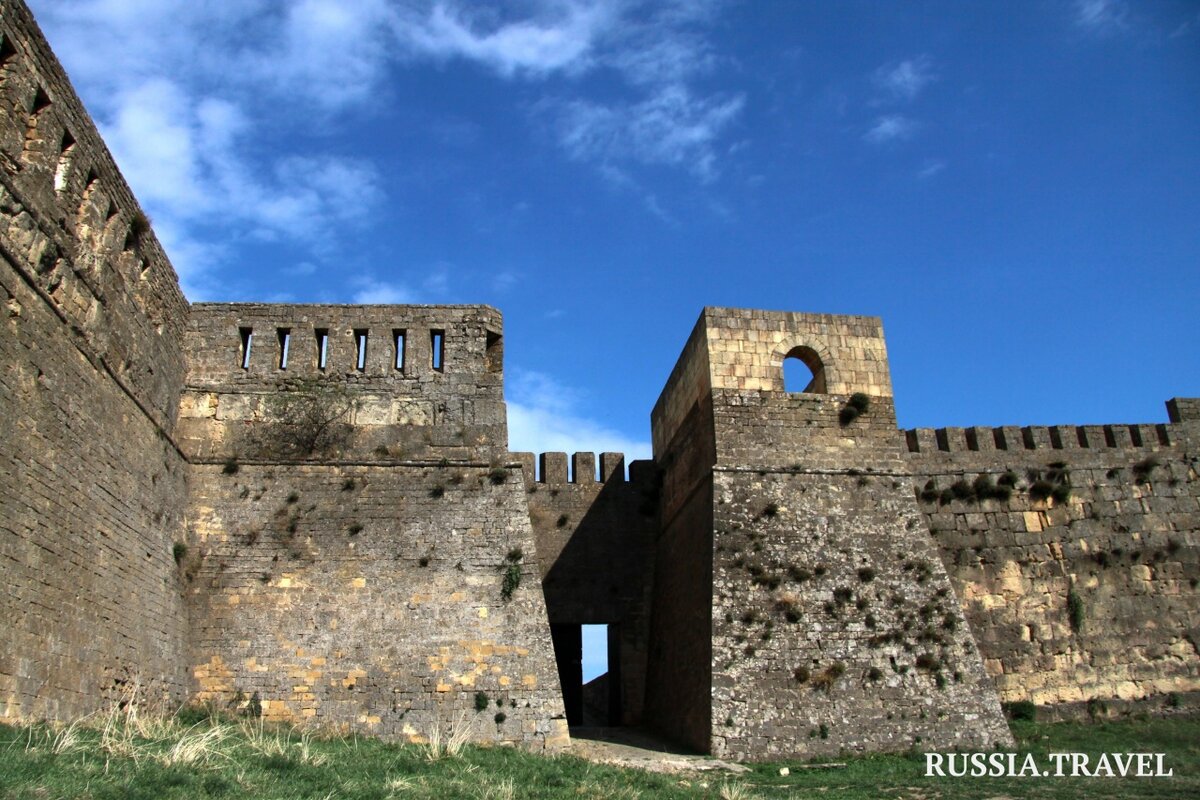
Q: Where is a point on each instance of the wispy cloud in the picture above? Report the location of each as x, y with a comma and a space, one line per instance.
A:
505, 280
930, 168
372, 290
183, 117
902, 81
545, 416
199, 101
898, 83
327, 53
1101, 17
891, 128
670, 127
663, 119
619, 178
1185, 28
560, 35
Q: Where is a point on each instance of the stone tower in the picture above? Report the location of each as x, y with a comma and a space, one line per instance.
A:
799, 602
382, 578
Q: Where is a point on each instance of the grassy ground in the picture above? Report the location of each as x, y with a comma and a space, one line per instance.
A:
120, 757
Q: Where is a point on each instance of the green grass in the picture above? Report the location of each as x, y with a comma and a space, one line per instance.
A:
904, 775
227, 760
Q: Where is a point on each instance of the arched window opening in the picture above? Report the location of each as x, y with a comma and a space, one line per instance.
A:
7, 52
803, 371
35, 129
66, 152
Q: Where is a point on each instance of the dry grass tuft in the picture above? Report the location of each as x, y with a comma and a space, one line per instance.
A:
197, 746
450, 744
736, 791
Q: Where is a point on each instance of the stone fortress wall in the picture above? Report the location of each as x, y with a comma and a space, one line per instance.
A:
1090, 593
427, 381
780, 580
92, 482
829, 620
595, 534
359, 580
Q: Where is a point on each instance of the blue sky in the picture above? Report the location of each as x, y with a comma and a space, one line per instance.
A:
1014, 187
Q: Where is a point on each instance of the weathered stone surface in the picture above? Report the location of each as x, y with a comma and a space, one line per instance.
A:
595, 547
786, 578
832, 625
1122, 537
372, 598
90, 482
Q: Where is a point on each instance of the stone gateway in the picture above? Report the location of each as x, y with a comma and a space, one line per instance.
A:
309, 512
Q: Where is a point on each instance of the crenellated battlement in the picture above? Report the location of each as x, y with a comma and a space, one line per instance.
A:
1151, 436
419, 382
559, 469
595, 533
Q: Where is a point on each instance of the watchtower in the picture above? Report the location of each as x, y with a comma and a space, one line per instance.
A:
800, 606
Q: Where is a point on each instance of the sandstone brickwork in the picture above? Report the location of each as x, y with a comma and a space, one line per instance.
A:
1088, 593
384, 577
309, 513
91, 482
595, 535
409, 402
374, 598
832, 622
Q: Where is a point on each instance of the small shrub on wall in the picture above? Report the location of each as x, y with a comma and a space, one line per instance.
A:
305, 418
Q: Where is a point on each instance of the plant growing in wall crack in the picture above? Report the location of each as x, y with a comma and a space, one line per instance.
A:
139, 226
823, 681
1143, 468
855, 407
1075, 610
306, 417
512, 573
1055, 484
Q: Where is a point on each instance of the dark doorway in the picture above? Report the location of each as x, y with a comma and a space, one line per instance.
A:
589, 673
568, 654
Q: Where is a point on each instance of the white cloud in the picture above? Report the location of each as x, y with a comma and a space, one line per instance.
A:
904, 80
152, 134
930, 168
544, 416
194, 259
891, 128
332, 53
197, 100
373, 291
505, 280
658, 49
560, 37
180, 93
671, 127
664, 59
1101, 16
